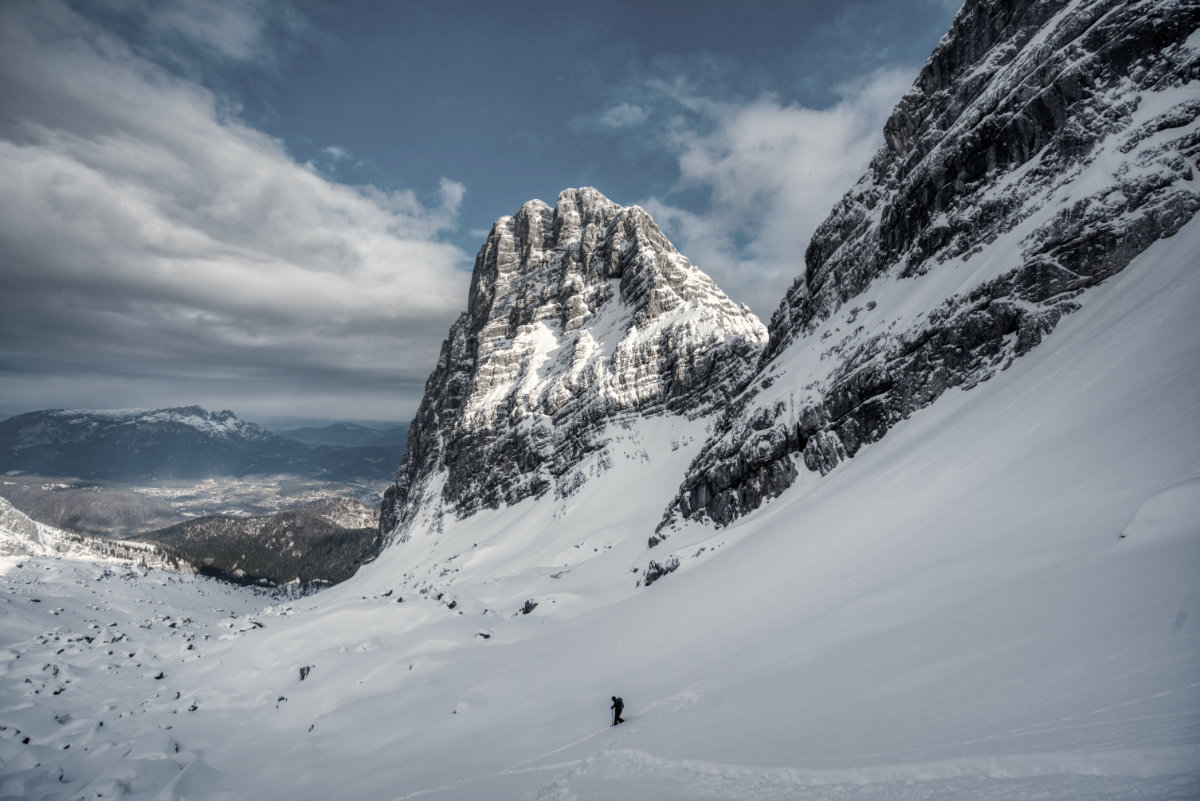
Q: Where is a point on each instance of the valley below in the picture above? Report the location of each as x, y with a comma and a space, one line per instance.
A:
128, 509
266, 531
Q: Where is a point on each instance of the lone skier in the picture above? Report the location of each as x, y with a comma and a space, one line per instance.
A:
617, 706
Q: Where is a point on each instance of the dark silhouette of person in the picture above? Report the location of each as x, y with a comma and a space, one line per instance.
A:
617, 706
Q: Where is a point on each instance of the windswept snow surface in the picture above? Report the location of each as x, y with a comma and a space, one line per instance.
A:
999, 600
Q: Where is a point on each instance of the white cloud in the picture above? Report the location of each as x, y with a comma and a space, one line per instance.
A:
231, 28
773, 172
144, 224
625, 115
336, 153
179, 31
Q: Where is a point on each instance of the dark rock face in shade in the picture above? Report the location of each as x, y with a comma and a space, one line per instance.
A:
1043, 146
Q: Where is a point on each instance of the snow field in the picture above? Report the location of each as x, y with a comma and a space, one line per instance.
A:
996, 601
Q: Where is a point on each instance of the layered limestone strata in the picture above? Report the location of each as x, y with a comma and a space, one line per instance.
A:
578, 315
1043, 146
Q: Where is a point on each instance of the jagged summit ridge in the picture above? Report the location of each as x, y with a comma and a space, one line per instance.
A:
1043, 146
555, 271
577, 315
1018, 99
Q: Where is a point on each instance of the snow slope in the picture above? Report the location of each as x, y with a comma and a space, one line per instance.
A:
998, 600
1042, 147
21, 536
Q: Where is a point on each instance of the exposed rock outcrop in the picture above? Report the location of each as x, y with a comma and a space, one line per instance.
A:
656, 570
578, 315
1043, 146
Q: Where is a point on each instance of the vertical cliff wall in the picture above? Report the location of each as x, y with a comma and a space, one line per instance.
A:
1042, 147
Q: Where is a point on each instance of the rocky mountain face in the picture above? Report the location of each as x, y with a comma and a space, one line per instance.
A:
184, 442
578, 315
343, 512
1043, 146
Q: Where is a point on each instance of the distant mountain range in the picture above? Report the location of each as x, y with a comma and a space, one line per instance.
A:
186, 442
350, 435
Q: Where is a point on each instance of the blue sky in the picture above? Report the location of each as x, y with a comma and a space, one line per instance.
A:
273, 207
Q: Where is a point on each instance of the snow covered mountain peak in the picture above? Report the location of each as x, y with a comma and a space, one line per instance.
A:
178, 442
1042, 148
1018, 102
996, 597
577, 315
223, 424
